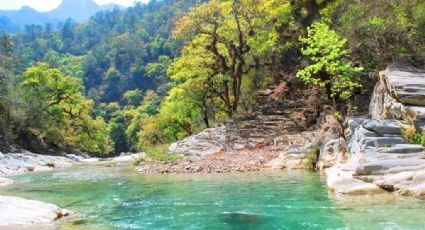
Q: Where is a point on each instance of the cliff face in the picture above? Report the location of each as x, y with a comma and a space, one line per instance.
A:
378, 157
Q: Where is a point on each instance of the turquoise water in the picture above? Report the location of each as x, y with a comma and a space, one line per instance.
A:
119, 198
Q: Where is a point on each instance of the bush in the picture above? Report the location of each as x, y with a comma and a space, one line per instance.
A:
139, 160
160, 153
50, 165
413, 136
312, 157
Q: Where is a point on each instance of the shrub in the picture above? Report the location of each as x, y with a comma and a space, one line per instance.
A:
312, 157
160, 153
50, 165
413, 136
139, 160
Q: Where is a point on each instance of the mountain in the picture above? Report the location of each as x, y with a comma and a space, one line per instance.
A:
78, 10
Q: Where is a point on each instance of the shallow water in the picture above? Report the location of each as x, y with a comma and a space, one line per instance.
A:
119, 198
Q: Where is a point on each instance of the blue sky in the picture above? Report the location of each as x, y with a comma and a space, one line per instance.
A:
46, 5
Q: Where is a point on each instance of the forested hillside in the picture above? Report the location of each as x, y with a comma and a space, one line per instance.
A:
155, 73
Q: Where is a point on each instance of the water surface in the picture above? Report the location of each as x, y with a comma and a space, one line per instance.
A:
118, 198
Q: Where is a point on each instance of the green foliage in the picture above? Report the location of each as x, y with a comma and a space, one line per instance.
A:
161, 153
380, 32
50, 165
139, 160
311, 158
330, 67
412, 135
60, 114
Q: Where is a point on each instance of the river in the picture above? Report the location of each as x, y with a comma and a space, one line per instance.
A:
117, 197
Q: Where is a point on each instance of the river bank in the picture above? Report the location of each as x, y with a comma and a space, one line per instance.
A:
18, 213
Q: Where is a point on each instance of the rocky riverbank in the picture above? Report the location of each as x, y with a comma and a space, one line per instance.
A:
375, 157
378, 157
18, 213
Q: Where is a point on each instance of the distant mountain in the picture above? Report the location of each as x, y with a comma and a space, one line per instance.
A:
78, 10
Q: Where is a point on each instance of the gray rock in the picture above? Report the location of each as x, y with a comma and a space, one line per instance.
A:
402, 148
18, 212
383, 126
383, 141
406, 87
207, 142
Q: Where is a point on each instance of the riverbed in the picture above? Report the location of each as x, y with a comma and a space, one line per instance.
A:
118, 197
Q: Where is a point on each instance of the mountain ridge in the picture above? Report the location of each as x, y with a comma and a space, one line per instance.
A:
77, 10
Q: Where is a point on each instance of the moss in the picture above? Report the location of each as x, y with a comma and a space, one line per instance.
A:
311, 158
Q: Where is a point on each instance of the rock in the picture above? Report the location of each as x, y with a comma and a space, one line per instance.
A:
402, 148
382, 141
127, 158
90, 160
19, 163
1, 155
346, 184
383, 126
75, 157
399, 95
207, 142
18, 212
406, 87
5, 181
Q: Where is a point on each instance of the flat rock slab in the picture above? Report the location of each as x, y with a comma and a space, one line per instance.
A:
383, 126
402, 148
18, 212
406, 87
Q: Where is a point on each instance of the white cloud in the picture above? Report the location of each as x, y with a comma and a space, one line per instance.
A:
46, 5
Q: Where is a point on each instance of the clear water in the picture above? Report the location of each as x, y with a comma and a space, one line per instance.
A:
119, 198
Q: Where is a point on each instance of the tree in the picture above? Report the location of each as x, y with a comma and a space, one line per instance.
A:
221, 31
60, 114
329, 66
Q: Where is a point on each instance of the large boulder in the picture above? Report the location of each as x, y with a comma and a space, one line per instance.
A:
18, 212
400, 94
406, 87
204, 143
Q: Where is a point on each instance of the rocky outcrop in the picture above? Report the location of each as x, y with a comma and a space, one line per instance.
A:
400, 94
377, 157
376, 148
19, 163
281, 112
204, 143
18, 212
292, 149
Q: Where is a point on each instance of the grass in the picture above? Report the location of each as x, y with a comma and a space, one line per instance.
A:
312, 157
161, 153
139, 160
413, 136
50, 165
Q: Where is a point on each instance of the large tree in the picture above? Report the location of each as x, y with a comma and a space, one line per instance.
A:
60, 114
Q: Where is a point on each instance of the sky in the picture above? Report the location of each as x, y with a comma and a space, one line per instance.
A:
46, 5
